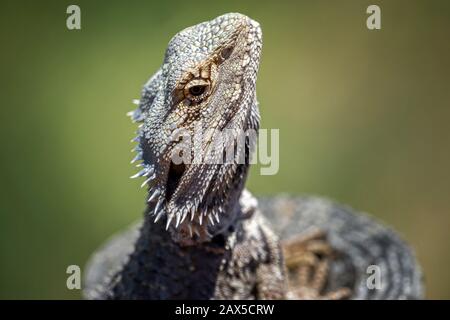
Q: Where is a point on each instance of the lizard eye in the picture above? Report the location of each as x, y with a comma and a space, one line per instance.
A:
197, 90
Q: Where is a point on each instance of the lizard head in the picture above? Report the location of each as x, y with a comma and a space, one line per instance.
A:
200, 103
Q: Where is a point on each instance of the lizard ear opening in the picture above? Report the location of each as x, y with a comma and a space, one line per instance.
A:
225, 53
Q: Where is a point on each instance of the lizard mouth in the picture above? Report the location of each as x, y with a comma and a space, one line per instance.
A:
174, 176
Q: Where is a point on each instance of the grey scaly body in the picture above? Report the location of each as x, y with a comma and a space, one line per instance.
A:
203, 236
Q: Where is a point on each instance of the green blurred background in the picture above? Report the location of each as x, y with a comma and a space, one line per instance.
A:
363, 118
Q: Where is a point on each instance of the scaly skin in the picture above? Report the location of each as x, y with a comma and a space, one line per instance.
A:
203, 236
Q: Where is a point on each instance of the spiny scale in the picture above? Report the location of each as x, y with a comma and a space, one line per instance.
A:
137, 158
136, 149
177, 223
158, 216
147, 171
158, 205
153, 196
169, 220
183, 216
148, 180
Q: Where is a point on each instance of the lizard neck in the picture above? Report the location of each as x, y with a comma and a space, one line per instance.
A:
160, 268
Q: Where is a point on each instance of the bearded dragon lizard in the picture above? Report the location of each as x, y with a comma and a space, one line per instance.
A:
203, 235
